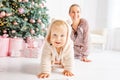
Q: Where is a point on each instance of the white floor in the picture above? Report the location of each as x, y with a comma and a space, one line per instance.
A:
105, 65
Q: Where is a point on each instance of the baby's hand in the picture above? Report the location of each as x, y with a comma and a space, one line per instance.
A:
43, 75
68, 73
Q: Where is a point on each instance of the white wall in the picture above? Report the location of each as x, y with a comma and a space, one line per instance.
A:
59, 9
102, 13
95, 11
113, 14
89, 9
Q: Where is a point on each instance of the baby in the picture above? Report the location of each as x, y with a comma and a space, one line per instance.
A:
57, 50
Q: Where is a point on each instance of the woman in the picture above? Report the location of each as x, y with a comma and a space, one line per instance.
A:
79, 33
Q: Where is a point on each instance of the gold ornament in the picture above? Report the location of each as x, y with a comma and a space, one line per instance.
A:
26, 19
37, 29
19, 0
1, 23
1, 5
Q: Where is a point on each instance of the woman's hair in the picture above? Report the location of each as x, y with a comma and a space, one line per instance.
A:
56, 23
73, 6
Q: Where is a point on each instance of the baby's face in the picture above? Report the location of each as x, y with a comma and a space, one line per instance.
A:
58, 36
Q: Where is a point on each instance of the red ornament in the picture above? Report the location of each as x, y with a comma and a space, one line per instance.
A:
2, 14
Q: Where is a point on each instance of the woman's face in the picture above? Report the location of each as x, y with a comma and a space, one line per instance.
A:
75, 13
58, 36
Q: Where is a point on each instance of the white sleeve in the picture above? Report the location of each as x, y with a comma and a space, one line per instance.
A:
46, 59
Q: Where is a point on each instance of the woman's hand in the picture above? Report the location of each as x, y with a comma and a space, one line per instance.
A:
43, 75
85, 59
68, 73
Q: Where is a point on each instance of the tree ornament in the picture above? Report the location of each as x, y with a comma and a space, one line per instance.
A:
15, 23
30, 6
33, 3
42, 5
39, 21
32, 20
42, 26
32, 31
13, 31
37, 29
8, 14
26, 19
5, 35
1, 5
19, 0
4, 31
25, 0
1, 23
21, 10
30, 42
2, 14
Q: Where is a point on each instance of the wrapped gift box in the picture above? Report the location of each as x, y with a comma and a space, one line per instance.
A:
4, 46
31, 52
15, 46
33, 48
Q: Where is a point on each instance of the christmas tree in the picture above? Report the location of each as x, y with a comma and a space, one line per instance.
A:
23, 18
